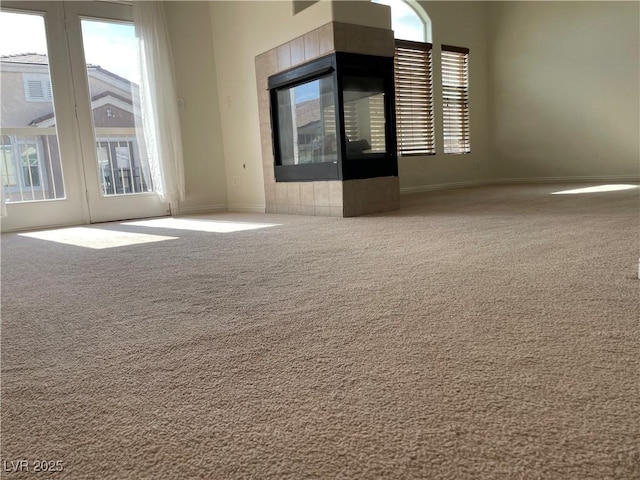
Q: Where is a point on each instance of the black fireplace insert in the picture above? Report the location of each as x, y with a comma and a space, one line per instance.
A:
334, 119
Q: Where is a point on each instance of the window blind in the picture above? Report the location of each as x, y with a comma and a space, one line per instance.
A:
351, 129
455, 99
376, 123
373, 119
414, 98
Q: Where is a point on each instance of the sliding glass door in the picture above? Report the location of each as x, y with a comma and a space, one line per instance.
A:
82, 161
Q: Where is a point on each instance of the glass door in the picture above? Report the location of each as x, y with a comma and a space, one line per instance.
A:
118, 175
40, 182
81, 161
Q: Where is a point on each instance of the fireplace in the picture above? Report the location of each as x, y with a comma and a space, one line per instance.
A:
333, 119
327, 126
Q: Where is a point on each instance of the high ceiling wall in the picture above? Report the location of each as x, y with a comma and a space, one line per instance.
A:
565, 89
553, 90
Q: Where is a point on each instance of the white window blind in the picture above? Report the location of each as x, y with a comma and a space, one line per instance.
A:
455, 99
350, 121
414, 98
376, 120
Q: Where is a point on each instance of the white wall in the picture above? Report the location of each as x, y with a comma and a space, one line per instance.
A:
361, 12
565, 82
241, 31
553, 90
196, 83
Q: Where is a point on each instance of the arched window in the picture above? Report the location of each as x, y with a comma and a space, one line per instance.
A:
409, 21
413, 77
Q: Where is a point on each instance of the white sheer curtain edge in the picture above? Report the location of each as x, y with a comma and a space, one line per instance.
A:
160, 122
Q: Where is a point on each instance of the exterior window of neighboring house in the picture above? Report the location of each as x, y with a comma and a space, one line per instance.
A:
37, 87
413, 78
30, 165
21, 165
455, 99
9, 173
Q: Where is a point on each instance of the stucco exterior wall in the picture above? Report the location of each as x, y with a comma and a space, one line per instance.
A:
16, 110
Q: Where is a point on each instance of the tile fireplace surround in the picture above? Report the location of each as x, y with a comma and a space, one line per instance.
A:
335, 198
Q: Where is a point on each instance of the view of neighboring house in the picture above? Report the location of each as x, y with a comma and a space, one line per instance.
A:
29, 150
315, 132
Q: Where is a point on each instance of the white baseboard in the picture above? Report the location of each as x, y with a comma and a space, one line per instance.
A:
581, 179
507, 181
259, 208
235, 207
443, 186
202, 209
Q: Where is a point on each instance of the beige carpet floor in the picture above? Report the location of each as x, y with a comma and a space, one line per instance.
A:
479, 333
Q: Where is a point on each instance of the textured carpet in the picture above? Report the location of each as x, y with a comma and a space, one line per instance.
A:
488, 332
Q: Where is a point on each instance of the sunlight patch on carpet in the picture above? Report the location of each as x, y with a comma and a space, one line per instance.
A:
596, 189
95, 238
198, 225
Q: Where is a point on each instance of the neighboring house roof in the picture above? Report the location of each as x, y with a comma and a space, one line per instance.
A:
41, 59
30, 58
307, 112
98, 68
113, 95
103, 98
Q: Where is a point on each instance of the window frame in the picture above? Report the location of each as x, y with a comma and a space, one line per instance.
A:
420, 125
455, 100
418, 11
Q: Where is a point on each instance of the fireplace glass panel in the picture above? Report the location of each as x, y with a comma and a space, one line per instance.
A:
364, 117
333, 119
307, 123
